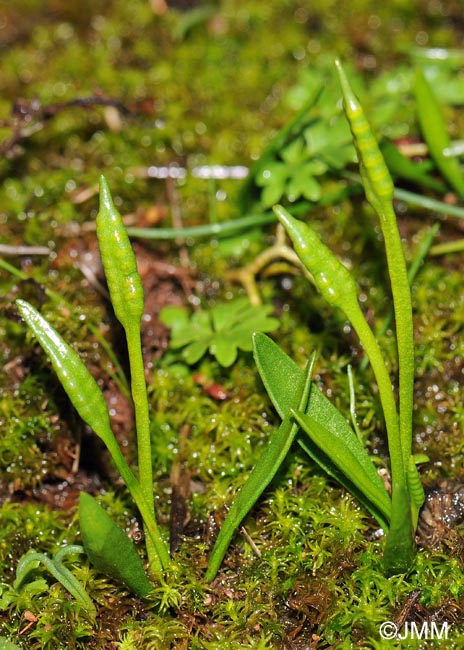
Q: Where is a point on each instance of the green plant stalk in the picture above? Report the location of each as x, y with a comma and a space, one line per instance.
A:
127, 298
87, 399
424, 248
338, 287
142, 416
400, 549
379, 192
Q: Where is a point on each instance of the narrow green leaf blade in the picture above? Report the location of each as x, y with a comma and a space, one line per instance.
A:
280, 375
108, 547
352, 460
434, 130
262, 474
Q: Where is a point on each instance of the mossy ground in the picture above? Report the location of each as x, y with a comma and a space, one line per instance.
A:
208, 92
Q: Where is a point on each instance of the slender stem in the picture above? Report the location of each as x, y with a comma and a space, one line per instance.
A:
404, 324
142, 421
399, 548
159, 558
386, 394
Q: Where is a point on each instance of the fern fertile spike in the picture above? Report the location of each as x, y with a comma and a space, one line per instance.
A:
119, 261
81, 387
379, 185
331, 277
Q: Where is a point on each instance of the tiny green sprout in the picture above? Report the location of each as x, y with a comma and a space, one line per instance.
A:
31, 560
222, 330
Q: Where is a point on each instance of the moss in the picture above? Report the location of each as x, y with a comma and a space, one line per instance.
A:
318, 578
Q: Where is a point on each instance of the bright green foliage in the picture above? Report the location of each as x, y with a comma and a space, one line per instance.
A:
222, 330
341, 452
108, 547
7, 645
280, 374
316, 142
299, 526
262, 474
82, 389
435, 133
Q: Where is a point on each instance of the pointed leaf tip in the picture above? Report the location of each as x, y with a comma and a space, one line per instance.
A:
106, 200
349, 97
283, 215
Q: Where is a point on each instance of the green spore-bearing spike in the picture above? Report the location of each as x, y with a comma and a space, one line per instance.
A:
399, 549
379, 192
127, 298
87, 399
331, 277
338, 287
119, 262
377, 181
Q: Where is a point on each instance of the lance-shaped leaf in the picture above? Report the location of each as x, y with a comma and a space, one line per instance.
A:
280, 375
350, 457
262, 474
434, 130
108, 547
